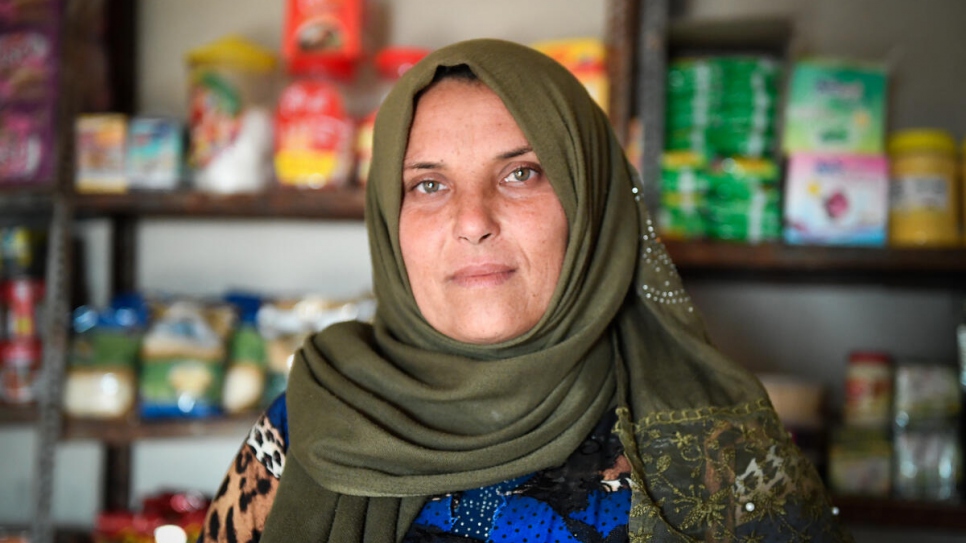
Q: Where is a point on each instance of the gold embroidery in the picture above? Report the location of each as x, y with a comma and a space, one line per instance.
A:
726, 474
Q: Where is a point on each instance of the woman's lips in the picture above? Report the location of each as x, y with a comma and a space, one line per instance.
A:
483, 275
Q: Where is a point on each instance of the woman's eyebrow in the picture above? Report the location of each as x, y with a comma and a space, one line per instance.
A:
422, 165
515, 152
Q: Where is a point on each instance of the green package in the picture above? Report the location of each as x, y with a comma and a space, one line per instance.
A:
835, 106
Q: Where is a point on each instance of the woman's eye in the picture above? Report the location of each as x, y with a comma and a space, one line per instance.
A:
427, 187
521, 174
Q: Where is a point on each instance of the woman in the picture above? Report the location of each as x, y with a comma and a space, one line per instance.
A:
535, 371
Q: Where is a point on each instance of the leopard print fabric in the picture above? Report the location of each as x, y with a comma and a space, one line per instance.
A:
239, 509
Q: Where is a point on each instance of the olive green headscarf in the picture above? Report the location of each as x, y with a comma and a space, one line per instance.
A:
382, 417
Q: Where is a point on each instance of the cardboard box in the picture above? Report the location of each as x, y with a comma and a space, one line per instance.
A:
835, 106
155, 153
836, 199
101, 153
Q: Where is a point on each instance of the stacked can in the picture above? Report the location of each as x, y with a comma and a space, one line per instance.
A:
21, 297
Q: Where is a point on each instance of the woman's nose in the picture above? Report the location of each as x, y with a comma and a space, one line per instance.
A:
475, 219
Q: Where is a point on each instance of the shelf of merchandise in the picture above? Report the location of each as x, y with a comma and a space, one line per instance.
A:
661, 37
131, 430
280, 203
882, 512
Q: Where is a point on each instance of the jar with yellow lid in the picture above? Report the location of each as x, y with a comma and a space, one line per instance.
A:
231, 98
924, 203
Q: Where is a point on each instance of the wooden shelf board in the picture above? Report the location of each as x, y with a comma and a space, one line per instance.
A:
754, 35
866, 263
22, 201
901, 514
15, 415
321, 204
119, 432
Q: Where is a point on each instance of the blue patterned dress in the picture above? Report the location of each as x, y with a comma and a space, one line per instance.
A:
587, 499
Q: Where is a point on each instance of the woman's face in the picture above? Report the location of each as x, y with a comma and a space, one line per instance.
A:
483, 234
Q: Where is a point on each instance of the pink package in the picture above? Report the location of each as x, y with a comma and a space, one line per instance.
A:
29, 71
26, 145
835, 199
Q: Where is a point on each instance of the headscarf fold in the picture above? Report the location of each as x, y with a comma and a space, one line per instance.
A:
383, 416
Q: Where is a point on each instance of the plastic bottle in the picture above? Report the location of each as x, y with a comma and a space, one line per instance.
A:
232, 83
391, 63
314, 132
924, 200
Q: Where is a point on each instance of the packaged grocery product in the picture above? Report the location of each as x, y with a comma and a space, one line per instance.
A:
245, 377
860, 462
231, 96
22, 254
28, 65
924, 202
184, 512
100, 152
20, 362
753, 220
925, 390
126, 527
868, 390
286, 323
315, 135
722, 105
744, 200
586, 58
29, 12
684, 187
155, 153
835, 106
692, 75
328, 31
391, 63
928, 463
183, 360
26, 145
101, 380
836, 199
798, 402
23, 299
29, 72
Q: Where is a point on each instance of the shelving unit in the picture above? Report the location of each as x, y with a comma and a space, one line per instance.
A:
661, 37
641, 35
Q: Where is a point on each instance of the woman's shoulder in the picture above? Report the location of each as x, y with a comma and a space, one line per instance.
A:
242, 503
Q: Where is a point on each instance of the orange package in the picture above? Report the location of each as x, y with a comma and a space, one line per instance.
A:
327, 31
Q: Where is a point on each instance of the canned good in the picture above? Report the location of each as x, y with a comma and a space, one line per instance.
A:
924, 193
19, 371
868, 389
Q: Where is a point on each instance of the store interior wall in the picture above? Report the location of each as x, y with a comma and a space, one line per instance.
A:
805, 330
